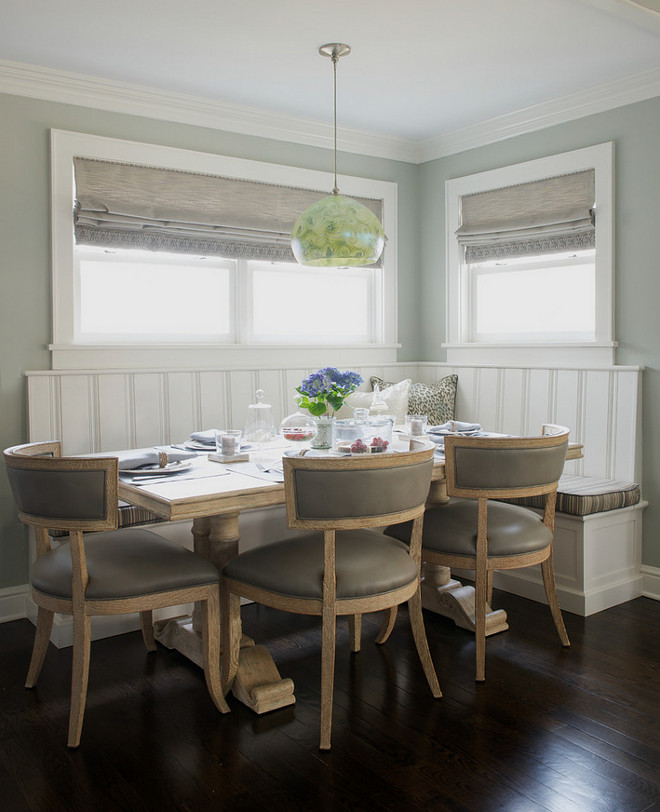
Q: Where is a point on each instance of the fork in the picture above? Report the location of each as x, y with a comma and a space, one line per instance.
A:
274, 468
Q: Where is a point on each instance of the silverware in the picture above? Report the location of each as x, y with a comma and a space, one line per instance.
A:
275, 468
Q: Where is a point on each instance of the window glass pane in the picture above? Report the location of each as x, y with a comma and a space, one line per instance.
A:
533, 301
154, 297
319, 305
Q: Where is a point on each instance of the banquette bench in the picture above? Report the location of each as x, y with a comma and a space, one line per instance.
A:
599, 519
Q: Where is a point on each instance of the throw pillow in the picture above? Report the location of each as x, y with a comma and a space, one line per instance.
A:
437, 400
395, 397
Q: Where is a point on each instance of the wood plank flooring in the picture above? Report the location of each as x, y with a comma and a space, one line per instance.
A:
568, 730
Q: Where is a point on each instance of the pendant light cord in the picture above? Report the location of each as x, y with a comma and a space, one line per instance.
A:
335, 59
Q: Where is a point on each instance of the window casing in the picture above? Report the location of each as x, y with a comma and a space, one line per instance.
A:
350, 312
579, 293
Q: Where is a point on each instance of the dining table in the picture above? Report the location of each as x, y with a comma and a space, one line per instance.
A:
213, 495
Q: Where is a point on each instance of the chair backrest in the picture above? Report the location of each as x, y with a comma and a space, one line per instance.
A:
505, 467
62, 493
371, 490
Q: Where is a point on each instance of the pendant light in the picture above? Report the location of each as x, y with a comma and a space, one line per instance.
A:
337, 231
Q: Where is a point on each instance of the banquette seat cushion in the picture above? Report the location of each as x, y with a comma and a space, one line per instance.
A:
584, 495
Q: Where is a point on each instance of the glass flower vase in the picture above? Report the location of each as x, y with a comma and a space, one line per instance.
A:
324, 427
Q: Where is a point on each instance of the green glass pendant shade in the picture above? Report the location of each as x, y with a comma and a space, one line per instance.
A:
336, 232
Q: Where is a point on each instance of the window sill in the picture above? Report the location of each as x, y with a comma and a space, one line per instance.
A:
546, 355
208, 356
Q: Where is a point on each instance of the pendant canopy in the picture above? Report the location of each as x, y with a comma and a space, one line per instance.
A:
337, 231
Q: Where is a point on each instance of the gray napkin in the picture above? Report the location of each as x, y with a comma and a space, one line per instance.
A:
134, 458
204, 437
454, 427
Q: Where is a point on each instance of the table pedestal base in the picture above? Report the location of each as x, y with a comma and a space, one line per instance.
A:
443, 594
258, 683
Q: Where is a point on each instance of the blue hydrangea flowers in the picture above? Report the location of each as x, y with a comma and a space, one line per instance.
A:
327, 388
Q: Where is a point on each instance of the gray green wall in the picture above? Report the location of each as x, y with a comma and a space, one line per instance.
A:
25, 307
635, 131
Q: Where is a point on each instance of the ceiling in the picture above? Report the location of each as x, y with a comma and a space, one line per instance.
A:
418, 68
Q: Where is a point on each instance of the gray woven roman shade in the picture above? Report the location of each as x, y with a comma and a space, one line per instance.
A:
540, 217
130, 206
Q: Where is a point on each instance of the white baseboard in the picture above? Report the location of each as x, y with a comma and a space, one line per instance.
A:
13, 602
651, 582
528, 584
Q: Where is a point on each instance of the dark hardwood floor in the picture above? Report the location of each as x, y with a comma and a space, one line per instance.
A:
550, 729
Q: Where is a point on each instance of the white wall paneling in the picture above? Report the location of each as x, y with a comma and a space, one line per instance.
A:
598, 557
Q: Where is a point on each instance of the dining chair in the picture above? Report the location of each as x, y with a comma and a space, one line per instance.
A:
101, 570
476, 532
344, 567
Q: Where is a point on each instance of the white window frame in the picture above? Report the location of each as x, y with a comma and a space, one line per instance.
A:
460, 348
67, 354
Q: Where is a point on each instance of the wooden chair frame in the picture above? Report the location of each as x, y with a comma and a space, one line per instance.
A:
330, 607
484, 564
47, 456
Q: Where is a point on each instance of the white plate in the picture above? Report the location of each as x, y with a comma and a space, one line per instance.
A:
156, 470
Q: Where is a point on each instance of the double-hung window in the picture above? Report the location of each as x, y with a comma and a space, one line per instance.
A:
530, 262
165, 256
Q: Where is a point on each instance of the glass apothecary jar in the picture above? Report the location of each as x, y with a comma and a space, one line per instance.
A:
363, 434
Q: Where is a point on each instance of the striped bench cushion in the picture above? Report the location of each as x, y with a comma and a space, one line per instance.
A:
129, 516
584, 495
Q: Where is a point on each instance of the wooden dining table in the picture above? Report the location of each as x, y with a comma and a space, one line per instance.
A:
213, 495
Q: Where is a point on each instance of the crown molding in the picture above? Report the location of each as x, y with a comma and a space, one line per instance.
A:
599, 99
70, 88
119, 97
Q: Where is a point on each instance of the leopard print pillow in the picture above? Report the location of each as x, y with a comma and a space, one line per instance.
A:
437, 400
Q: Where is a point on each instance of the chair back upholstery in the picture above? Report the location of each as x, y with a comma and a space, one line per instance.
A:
504, 467
343, 493
62, 493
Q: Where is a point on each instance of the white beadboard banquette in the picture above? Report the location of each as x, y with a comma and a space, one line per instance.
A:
598, 557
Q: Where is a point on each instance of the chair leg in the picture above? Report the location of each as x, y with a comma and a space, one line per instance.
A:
489, 587
147, 625
355, 631
421, 642
548, 570
480, 589
230, 618
389, 619
79, 675
40, 647
329, 622
211, 648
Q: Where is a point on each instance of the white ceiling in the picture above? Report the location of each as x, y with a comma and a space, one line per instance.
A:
419, 68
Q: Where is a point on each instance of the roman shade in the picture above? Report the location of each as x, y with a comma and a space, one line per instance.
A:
541, 217
133, 206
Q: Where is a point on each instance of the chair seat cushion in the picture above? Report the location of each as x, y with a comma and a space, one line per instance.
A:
452, 529
367, 563
123, 564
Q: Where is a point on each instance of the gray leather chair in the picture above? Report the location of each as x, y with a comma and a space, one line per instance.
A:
473, 532
104, 573
344, 568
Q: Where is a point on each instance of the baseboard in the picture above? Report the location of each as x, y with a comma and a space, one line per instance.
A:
651, 582
528, 584
13, 602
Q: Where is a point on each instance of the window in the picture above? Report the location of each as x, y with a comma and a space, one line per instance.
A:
127, 293
524, 299
530, 262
